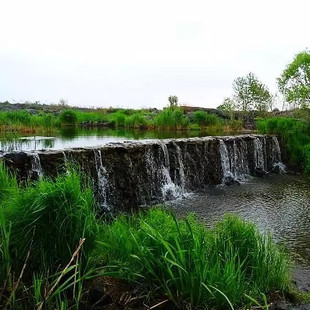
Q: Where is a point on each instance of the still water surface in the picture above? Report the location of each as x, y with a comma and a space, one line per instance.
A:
73, 137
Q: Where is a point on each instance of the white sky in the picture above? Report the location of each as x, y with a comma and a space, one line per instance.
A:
137, 53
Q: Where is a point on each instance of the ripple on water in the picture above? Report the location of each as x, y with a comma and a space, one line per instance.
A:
278, 203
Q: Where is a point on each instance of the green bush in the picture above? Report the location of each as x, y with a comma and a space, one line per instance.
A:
136, 120
172, 118
205, 119
68, 117
190, 264
236, 125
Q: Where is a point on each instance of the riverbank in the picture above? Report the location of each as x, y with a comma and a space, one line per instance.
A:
34, 118
163, 260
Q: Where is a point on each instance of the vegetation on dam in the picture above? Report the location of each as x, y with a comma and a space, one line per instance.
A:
56, 253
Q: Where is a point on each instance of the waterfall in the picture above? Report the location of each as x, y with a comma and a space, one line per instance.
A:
259, 154
168, 188
102, 180
225, 161
181, 168
278, 166
36, 168
234, 161
128, 175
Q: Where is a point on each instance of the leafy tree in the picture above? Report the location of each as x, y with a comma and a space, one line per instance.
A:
228, 107
173, 101
251, 94
294, 82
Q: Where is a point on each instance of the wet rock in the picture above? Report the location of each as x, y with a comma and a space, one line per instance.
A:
280, 305
259, 172
229, 181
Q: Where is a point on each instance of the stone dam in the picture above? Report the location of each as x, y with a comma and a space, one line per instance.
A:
132, 174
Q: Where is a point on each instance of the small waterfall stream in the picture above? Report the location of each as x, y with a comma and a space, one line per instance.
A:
128, 175
36, 168
102, 181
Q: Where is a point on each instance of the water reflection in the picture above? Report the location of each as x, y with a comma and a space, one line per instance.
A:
68, 137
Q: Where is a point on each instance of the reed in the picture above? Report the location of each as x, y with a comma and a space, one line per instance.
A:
192, 266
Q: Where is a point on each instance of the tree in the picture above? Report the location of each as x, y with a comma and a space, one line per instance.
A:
251, 94
173, 101
228, 107
294, 82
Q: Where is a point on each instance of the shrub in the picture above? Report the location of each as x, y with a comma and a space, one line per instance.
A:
136, 120
236, 125
172, 118
204, 119
68, 117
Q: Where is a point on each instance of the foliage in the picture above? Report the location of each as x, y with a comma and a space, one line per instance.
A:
251, 94
295, 134
68, 117
204, 119
192, 265
41, 225
60, 210
172, 118
294, 82
136, 120
228, 107
236, 125
8, 184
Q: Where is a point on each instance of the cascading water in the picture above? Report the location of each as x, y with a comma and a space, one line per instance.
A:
102, 180
259, 154
276, 156
36, 168
234, 161
168, 188
181, 169
127, 175
225, 161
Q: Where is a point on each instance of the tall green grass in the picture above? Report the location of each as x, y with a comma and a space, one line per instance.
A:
41, 227
23, 120
192, 266
172, 118
61, 211
205, 119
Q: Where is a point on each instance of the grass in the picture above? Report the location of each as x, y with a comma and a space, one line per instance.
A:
52, 244
190, 265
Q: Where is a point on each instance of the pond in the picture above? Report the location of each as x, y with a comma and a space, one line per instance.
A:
77, 137
278, 203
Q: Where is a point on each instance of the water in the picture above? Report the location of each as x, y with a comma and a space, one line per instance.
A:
278, 203
77, 137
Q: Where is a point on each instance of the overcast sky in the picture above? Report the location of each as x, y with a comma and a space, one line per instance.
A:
136, 53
